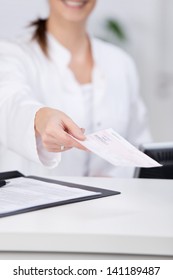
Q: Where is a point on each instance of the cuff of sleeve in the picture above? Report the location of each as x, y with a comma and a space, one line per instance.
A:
48, 159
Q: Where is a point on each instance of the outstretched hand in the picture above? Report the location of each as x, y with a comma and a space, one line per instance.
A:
55, 127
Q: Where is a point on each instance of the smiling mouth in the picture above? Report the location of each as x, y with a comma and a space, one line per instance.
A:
75, 4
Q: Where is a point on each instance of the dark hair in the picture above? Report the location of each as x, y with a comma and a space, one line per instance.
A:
40, 34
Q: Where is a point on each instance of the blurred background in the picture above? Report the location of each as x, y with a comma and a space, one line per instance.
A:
142, 27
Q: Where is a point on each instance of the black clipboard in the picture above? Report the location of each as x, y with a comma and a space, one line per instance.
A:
16, 174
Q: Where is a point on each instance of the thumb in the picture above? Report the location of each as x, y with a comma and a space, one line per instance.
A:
74, 130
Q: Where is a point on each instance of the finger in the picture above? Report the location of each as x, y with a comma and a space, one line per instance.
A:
57, 149
63, 138
73, 129
78, 146
54, 143
70, 141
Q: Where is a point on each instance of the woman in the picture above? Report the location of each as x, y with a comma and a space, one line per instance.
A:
57, 83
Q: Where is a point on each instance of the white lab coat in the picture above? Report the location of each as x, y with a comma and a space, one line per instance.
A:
29, 81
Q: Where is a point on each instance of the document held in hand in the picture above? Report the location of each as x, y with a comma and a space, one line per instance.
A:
112, 147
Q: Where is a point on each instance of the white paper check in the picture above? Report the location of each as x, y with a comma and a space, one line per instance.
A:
112, 147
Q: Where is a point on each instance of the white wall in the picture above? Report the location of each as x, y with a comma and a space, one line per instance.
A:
150, 42
16, 14
164, 87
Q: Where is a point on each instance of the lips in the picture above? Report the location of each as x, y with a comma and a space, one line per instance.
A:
74, 4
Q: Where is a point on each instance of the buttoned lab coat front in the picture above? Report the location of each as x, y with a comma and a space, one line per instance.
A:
29, 81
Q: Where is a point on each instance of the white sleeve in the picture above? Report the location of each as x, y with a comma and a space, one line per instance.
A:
18, 108
138, 128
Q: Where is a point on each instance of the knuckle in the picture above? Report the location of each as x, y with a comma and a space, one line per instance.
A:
68, 142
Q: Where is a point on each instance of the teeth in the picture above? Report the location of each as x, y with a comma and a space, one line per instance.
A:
74, 4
